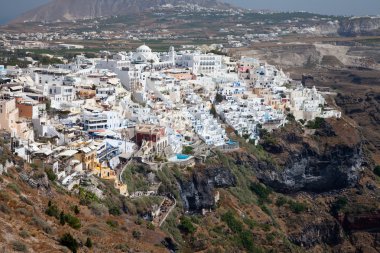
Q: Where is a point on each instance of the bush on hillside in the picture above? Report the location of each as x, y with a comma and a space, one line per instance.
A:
69, 241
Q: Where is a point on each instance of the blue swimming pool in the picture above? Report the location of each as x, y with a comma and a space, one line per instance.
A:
231, 142
182, 156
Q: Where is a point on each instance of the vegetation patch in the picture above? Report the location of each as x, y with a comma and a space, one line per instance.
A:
261, 191
244, 237
69, 241
316, 123
186, 226
376, 170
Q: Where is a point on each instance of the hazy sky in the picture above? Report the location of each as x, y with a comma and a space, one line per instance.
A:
11, 8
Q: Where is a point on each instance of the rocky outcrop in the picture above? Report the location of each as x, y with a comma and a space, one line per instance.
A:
325, 232
66, 10
198, 191
328, 160
360, 26
307, 170
369, 221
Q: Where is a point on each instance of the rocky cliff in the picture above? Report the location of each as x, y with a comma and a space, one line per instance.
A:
360, 26
329, 159
198, 191
66, 10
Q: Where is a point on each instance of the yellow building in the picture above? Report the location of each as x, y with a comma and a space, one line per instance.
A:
87, 156
86, 153
104, 172
123, 189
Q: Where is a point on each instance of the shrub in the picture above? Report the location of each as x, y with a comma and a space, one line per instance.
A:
26, 200
290, 117
187, 150
62, 220
376, 170
261, 191
235, 225
98, 209
243, 237
297, 207
24, 212
4, 208
213, 111
76, 209
338, 205
266, 210
86, 197
50, 174
24, 234
88, 243
52, 210
114, 210
69, 241
186, 226
93, 231
246, 239
14, 187
122, 247
138, 221
281, 201
316, 123
19, 246
4, 196
150, 226
112, 223
136, 234
72, 221
42, 224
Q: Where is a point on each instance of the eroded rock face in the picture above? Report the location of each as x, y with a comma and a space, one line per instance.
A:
325, 232
330, 159
359, 26
307, 170
198, 192
363, 221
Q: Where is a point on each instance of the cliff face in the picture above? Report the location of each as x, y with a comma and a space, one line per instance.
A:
198, 191
329, 159
66, 10
359, 26
323, 232
307, 170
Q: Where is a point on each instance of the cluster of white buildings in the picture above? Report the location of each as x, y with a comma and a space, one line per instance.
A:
91, 115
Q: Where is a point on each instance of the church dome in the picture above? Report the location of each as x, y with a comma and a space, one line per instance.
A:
143, 49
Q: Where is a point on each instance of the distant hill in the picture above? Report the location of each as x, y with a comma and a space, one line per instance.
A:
360, 26
67, 10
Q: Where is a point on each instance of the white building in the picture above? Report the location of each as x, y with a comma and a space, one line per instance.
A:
200, 63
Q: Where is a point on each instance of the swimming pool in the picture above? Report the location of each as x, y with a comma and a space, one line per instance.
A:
182, 156
177, 158
231, 142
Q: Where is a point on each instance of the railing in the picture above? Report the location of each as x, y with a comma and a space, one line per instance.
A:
104, 155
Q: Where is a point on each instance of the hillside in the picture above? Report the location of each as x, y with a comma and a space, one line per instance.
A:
67, 10
287, 213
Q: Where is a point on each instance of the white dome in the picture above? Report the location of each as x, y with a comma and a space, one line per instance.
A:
143, 49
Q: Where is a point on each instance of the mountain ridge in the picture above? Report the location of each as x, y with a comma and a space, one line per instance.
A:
69, 10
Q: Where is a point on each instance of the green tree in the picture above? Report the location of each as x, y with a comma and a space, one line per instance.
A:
376, 170
218, 98
69, 241
186, 226
88, 243
62, 219
72, 221
76, 209
213, 110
